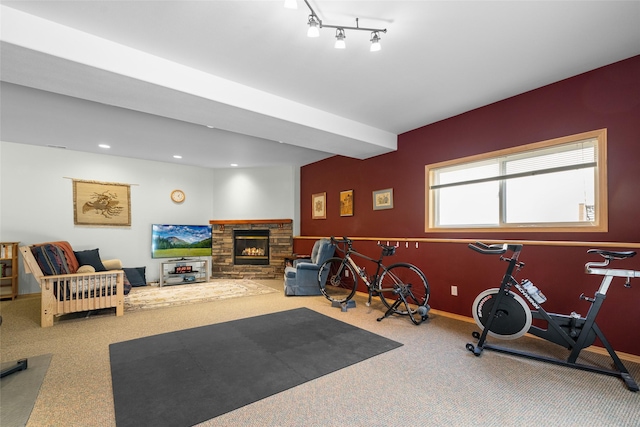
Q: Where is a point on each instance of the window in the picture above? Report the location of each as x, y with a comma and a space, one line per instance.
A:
556, 185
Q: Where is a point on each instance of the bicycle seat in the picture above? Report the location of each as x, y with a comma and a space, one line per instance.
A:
612, 254
388, 250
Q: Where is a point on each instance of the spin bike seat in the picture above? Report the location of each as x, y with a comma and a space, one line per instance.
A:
612, 254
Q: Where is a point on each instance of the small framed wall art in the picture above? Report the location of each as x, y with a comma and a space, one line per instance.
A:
346, 203
319, 206
383, 199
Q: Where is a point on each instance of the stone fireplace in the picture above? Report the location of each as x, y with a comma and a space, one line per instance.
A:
238, 245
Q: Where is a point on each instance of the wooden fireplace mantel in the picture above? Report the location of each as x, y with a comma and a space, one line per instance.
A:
223, 222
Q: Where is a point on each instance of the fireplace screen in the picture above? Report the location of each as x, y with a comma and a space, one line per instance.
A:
251, 247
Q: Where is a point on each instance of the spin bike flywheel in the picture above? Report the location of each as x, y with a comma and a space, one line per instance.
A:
512, 320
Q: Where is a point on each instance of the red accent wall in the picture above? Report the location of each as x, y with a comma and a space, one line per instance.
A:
608, 97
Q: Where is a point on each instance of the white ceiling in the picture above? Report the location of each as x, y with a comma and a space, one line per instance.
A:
146, 76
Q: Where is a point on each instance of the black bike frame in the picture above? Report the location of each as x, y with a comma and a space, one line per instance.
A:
371, 280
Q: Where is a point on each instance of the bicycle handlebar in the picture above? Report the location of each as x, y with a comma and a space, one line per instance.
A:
346, 241
343, 240
488, 249
387, 250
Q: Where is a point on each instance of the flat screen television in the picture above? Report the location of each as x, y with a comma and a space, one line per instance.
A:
180, 241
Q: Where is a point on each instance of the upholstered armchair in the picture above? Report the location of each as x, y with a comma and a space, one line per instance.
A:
302, 277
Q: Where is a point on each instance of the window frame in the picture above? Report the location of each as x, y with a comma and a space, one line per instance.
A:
601, 206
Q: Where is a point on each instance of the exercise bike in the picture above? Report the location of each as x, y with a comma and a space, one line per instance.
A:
502, 313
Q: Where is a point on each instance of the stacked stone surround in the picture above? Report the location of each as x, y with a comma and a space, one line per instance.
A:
280, 247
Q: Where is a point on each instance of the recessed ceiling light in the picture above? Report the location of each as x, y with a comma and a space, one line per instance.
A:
234, 165
211, 127
177, 157
104, 146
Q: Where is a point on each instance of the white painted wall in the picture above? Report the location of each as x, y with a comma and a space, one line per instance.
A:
256, 193
36, 200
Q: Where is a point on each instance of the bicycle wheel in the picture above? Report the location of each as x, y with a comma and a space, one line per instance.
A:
337, 280
408, 280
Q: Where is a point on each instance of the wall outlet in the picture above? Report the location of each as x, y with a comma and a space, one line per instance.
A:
454, 291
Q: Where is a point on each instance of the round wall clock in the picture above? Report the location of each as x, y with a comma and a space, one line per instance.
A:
177, 196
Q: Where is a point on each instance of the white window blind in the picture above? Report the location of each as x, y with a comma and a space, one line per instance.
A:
577, 155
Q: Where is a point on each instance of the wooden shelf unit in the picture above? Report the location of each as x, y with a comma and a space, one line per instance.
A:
8, 270
170, 273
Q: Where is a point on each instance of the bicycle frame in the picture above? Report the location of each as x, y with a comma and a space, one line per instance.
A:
374, 278
582, 330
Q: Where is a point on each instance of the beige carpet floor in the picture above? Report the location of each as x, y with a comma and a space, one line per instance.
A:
431, 380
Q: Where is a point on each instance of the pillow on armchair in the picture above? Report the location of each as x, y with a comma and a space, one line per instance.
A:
90, 257
86, 269
51, 259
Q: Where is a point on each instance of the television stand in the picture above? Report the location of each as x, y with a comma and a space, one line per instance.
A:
184, 271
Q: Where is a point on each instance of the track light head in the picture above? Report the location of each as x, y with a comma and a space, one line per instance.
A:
340, 36
375, 42
314, 24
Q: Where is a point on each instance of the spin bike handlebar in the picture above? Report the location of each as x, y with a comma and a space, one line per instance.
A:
489, 249
592, 267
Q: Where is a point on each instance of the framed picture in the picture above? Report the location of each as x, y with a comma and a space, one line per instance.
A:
101, 203
346, 203
383, 199
319, 206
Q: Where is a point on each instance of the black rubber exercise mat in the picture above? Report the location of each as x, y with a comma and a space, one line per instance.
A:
186, 377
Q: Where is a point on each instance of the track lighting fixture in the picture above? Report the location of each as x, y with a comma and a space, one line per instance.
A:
315, 23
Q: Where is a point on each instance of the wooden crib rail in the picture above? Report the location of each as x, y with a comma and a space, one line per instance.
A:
71, 293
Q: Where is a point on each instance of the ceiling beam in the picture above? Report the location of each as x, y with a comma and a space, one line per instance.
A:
48, 56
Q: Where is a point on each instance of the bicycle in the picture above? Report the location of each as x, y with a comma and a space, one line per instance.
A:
502, 313
402, 287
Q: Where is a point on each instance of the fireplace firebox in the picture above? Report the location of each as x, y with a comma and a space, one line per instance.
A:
251, 247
